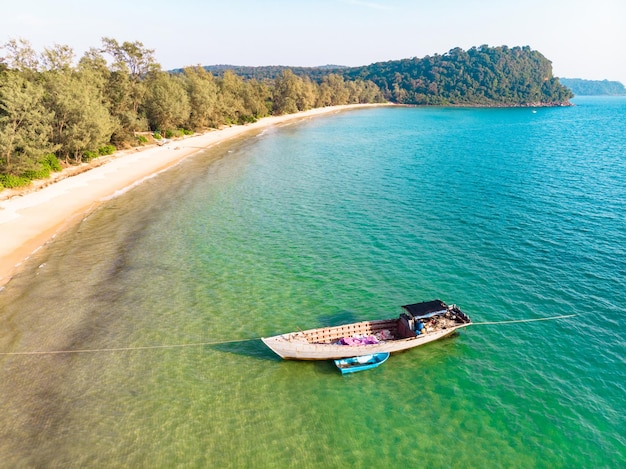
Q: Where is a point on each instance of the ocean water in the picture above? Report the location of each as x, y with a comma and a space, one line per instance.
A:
509, 213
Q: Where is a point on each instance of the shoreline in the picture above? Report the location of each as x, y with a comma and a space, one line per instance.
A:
31, 218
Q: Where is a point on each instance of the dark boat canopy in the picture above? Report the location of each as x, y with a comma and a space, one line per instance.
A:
417, 310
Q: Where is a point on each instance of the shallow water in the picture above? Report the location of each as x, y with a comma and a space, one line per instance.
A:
508, 213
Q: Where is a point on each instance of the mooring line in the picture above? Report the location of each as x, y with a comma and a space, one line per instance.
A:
521, 320
220, 342
127, 349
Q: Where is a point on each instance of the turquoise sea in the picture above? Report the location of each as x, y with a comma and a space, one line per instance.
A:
508, 213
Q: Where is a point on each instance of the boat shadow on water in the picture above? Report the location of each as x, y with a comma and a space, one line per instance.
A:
425, 359
253, 348
338, 318
418, 324
437, 321
428, 355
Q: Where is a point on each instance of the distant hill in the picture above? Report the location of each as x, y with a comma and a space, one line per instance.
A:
480, 76
582, 87
483, 76
270, 72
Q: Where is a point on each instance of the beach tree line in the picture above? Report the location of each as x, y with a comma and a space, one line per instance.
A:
56, 111
480, 76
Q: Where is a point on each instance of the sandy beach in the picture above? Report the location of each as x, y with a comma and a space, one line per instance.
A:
28, 221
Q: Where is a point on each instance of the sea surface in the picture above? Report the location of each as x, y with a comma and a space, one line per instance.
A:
508, 213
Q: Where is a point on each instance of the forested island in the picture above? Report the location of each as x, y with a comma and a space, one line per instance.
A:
582, 87
484, 76
480, 76
56, 112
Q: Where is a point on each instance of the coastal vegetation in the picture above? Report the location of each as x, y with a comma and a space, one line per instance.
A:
487, 76
480, 76
117, 96
582, 87
53, 109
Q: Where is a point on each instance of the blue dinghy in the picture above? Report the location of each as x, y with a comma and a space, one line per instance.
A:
361, 363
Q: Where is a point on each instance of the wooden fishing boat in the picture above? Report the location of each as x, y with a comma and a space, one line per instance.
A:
419, 324
361, 363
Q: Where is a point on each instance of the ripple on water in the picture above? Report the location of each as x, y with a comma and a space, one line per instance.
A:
507, 213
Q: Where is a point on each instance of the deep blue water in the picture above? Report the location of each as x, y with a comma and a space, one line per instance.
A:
509, 213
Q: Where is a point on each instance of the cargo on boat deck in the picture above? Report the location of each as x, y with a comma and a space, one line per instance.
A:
387, 335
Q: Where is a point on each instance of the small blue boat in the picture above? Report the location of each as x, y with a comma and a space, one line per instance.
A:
361, 363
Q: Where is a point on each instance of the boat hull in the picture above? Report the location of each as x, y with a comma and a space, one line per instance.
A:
288, 346
361, 363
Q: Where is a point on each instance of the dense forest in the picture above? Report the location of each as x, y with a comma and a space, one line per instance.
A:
582, 87
270, 72
482, 76
491, 76
55, 111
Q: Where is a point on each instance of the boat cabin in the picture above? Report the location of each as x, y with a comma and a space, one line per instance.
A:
429, 316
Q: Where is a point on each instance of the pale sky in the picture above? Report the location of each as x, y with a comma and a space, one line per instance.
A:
583, 39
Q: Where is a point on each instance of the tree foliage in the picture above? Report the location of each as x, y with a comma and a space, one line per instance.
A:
130, 57
166, 104
115, 93
291, 94
488, 76
118, 91
203, 100
480, 76
25, 123
81, 120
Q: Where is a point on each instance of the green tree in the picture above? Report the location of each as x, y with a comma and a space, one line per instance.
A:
131, 57
288, 89
256, 100
21, 56
24, 123
81, 119
120, 92
324, 95
126, 90
203, 101
370, 93
93, 63
292, 93
59, 57
308, 96
231, 102
339, 93
167, 103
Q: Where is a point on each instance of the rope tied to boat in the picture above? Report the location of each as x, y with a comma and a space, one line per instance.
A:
128, 349
517, 321
221, 342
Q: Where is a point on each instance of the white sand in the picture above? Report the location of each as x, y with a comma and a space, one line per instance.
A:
29, 221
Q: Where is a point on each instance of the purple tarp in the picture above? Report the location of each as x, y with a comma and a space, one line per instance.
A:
369, 340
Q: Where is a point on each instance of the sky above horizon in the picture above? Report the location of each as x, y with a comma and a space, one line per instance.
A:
582, 39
